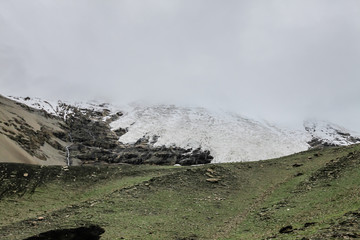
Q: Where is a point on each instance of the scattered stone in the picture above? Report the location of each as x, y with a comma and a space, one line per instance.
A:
92, 232
297, 165
286, 229
298, 174
26, 174
213, 180
209, 175
271, 237
308, 224
332, 170
40, 218
345, 227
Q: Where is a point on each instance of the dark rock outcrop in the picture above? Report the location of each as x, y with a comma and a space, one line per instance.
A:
93, 141
29, 139
286, 229
83, 135
92, 232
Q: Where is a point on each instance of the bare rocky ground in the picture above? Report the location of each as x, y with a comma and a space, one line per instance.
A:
29, 136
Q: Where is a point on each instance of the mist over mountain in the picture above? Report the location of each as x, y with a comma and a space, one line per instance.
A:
282, 61
88, 133
179, 119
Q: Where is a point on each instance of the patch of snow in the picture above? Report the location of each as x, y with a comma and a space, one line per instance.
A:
228, 136
37, 103
63, 109
331, 133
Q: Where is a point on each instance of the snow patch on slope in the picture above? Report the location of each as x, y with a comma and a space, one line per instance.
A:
331, 133
63, 109
37, 103
229, 137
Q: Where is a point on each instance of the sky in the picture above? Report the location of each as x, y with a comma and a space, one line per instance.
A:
282, 60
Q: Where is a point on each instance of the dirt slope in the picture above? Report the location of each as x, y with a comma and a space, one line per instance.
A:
26, 135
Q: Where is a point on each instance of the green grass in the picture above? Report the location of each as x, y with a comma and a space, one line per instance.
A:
321, 204
251, 201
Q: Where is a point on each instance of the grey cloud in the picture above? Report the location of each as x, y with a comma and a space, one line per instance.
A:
281, 60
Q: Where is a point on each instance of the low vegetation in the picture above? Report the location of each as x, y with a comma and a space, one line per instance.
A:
309, 195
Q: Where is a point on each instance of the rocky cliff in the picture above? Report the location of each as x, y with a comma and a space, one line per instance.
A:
81, 135
94, 133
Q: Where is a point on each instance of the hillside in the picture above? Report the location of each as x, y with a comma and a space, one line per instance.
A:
120, 176
29, 136
309, 195
78, 134
167, 134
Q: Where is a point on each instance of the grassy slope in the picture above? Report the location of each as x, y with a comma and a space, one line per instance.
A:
251, 201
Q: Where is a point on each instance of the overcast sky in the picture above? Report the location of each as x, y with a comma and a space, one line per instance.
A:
284, 60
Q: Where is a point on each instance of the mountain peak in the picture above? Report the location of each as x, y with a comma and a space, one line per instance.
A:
329, 134
229, 137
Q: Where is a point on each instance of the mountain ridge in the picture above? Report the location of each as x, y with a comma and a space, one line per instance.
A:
227, 137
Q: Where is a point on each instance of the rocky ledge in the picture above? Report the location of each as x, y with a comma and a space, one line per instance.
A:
93, 142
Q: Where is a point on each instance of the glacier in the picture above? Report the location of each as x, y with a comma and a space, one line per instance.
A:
228, 136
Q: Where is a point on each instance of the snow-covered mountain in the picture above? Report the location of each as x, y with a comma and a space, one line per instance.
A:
63, 108
329, 134
229, 137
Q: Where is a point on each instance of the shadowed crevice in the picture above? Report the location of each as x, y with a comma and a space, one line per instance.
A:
92, 232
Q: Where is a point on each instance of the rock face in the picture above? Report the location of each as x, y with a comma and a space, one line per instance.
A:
93, 141
28, 135
83, 135
325, 134
91, 232
29, 139
95, 133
